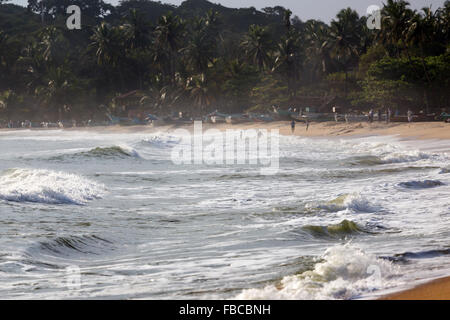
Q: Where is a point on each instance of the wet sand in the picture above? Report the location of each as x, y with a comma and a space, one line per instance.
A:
435, 290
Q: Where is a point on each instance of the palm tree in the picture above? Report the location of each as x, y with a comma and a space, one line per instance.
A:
168, 38
199, 92
108, 42
423, 33
137, 31
57, 90
201, 48
318, 55
52, 45
443, 16
345, 40
258, 46
395, 17
32, 65
288, 61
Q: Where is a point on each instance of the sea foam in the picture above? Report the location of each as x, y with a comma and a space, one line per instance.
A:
343, 272
354, 202
46, 186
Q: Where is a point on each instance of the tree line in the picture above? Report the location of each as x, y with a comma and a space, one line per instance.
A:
201, 57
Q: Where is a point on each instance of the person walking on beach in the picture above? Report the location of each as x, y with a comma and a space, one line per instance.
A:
293, 126
410, 117
388, 115
307, 124
371, 115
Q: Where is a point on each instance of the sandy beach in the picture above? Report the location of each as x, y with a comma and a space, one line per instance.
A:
436, 290
422, 130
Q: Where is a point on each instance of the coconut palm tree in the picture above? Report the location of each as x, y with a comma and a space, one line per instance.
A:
52, 45
169, 34
137, 31
395, 17
201, 47
424, 33
345, 40
288, 60
199, 91
58, 89
318, 55
108, 43
258, 45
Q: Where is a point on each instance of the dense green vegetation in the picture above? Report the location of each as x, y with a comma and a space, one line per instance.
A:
200, 56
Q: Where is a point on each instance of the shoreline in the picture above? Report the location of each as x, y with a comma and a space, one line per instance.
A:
418, 130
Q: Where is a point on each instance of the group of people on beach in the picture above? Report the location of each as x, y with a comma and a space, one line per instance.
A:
388, 114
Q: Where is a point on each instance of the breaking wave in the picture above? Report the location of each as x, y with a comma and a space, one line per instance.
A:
390, 158
342, 272
45, 186
353, 202
340, 230
161, 141
102, 152
87, 244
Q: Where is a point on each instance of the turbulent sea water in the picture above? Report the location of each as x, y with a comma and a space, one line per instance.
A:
346, 218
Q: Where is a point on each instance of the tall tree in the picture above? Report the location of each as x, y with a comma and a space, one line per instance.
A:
395, 17
258, 45
345, 40
169, 34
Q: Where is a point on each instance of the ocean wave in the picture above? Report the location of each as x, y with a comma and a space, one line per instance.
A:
161, 141
341, 230
112, 152
45, 186
342, 272
405, 156
354, 202
405, 257
427, 184
67, 246
390, 158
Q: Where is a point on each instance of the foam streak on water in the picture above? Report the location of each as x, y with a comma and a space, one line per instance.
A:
343, 218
